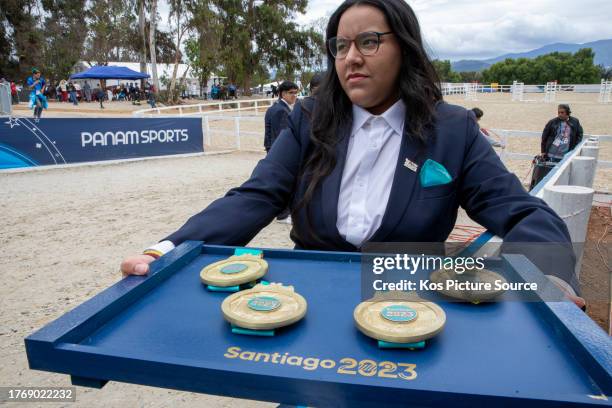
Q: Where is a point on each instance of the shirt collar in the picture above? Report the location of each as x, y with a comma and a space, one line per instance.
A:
286, 103
394, 116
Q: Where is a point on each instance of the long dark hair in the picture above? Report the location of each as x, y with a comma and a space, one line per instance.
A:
418, 83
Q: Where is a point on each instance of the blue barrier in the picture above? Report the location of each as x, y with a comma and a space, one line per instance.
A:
25, 142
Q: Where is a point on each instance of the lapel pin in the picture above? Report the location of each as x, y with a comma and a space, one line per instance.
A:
411, 165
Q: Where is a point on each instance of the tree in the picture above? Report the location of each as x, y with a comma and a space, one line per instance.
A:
63, 37
203, 49
152, 49
181, 17
445, 72
110, 34
470, 76
605, 72
261, 35
142, 23
20, 21
563, 67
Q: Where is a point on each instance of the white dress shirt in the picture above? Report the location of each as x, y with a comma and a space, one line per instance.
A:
371, 159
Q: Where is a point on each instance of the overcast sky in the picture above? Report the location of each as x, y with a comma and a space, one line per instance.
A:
474, 29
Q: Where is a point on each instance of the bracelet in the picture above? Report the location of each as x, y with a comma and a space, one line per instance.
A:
152, 252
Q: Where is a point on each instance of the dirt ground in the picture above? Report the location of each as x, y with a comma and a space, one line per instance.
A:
65, 230
596, 272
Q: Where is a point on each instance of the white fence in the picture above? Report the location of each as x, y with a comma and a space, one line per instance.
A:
460, 89
468, 89
202, 109
232, 124
605, 91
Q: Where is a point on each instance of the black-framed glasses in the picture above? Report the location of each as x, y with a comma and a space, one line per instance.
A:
367, 43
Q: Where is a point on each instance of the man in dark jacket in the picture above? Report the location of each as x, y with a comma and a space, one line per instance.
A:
561, 134
277, 114
276, 122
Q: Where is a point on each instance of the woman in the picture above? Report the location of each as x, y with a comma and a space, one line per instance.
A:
385, 160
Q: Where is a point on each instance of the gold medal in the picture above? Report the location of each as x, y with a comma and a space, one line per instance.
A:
235, 270
473, 286
399, 321
264, 307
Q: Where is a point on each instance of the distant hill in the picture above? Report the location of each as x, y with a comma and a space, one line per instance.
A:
601, 48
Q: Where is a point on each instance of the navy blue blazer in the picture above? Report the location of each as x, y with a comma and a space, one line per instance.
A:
481, 184
276, 122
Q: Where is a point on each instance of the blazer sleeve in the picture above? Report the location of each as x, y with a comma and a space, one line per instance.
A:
495, 198
238, 216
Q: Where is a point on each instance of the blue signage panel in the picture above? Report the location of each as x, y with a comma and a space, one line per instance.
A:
25, 142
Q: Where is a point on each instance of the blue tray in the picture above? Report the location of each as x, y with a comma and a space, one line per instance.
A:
167, 330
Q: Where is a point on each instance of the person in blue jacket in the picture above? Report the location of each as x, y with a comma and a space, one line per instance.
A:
277, 114
37, 85
379, 157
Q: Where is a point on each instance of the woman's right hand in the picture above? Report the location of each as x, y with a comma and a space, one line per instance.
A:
136, 265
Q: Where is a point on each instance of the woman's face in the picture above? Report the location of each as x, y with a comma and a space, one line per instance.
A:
370, 81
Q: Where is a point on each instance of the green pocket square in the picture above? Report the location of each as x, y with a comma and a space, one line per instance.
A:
434, 174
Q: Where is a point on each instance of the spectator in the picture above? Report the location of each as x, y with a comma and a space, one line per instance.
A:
561, 134
73, 94
151, 98
276, 120
486, 132
64, 90
100, 95
132, 92
37, 85
87, 91
14, 94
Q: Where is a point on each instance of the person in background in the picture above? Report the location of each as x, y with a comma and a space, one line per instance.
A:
232, 91
87, 91
132, 93
101, 95
14, 94
151, 96
315, 81
73, 94
276, 115
64, 90
37, 85
561, 134
276, 121
486, 132
79, 91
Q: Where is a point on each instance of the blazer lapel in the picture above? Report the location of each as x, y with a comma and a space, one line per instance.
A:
330, 189
403, 185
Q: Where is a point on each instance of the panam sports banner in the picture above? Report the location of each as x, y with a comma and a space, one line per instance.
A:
25, 142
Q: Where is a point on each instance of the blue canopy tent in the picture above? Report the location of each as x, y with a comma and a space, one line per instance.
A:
107, 72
